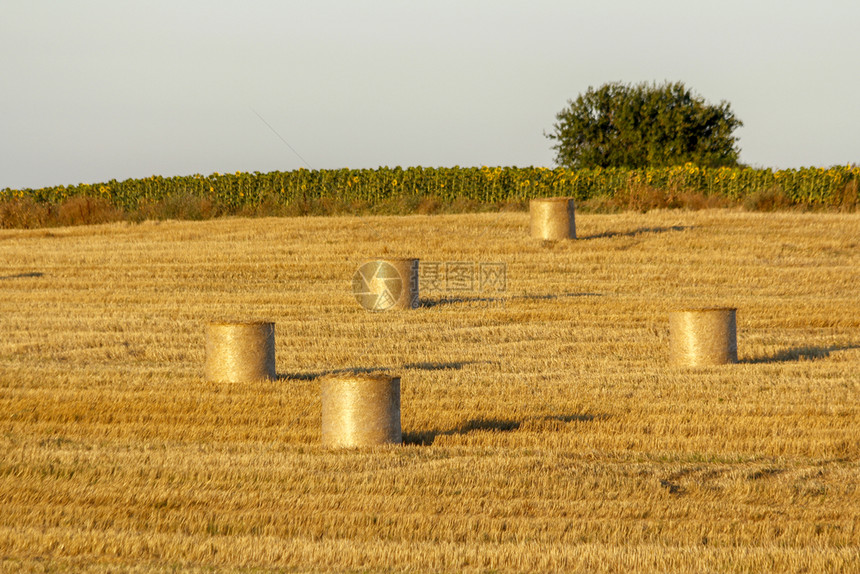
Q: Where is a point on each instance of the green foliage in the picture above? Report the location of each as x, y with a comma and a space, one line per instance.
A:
645, 125
399, 190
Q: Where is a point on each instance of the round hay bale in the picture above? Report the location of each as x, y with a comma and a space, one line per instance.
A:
704, 336
360, 410
386, 284
552, 218
239, 352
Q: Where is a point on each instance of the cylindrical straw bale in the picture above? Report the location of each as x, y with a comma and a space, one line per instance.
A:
705, 336
552, 218
239, 352
384, 284
360, 410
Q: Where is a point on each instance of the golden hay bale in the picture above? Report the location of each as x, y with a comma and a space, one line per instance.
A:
360, 410
704, 336
238, 352
552, 218
384, 284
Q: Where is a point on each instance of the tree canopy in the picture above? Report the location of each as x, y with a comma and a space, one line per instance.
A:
635, 126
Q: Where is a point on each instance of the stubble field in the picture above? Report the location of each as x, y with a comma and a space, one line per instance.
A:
544, 427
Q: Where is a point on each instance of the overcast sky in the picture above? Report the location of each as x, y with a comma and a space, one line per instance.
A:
101, 89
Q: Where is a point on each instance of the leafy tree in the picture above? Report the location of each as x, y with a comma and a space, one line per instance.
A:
634, 126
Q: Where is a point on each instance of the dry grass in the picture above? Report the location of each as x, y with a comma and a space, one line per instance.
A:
545, 429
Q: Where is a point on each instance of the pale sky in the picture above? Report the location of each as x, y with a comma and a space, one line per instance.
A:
101, 89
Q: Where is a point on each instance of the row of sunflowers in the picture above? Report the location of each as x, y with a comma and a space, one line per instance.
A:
811, 185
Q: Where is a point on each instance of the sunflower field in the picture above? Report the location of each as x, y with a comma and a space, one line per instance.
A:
810, 186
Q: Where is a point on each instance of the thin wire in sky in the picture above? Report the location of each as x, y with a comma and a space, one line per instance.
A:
274, 131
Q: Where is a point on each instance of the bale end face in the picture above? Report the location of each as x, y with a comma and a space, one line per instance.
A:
360, 411
552, 218
703, 336
240, 351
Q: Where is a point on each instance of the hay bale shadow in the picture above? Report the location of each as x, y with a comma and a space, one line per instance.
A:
431, 366
499, 301
23, 275
554, 296
421, 366
427, 438
447, 301
800, 354
639, 231
578, 418
543, 424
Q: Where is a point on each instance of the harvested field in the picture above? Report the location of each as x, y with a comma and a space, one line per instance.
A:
544, 428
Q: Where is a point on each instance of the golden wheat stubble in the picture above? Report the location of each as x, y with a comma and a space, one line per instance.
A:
643, 467
240, 351
703, 336
552, 218
360, 410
